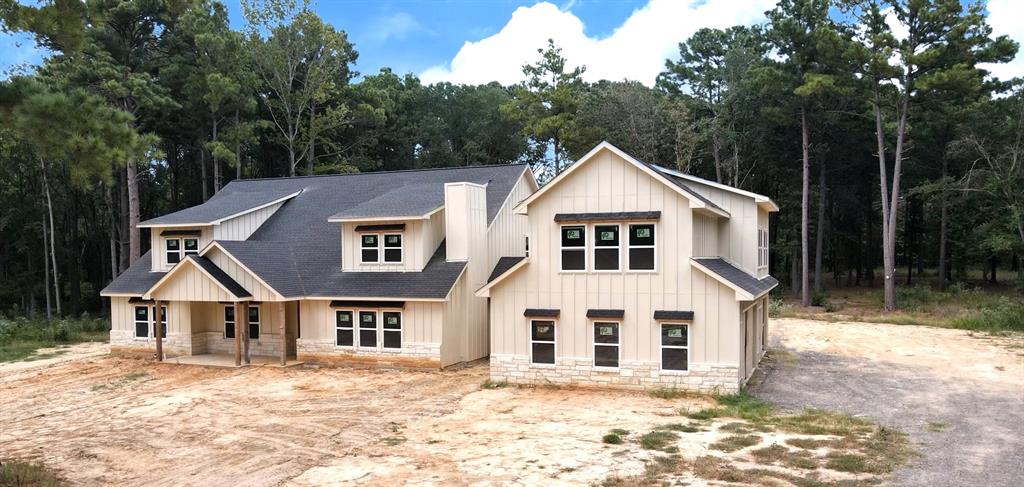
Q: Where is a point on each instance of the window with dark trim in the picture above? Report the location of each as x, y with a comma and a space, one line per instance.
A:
344, 328
173, 247
641, 247
254, 322
606, 344
674, 346
229, 321
393, 248
542, 341
368, 329
191, 246
370, 245
392, 332
574, 248
141, 321
606, 247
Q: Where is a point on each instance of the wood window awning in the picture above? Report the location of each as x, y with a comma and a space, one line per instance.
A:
139, 300
391, 227
345, 303
607, 217
605, 313
181, 233
541, 313
663, 315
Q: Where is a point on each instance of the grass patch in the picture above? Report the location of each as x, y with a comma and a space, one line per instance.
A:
393, 440
1005, 316
680, 427
653, 472
778, 454
123, 381
735, 442
24, 474
21, 337
707, 413
936, 426
611, 439
657, 440
808, 443
620, 432
491, 384
670, 393
714, 468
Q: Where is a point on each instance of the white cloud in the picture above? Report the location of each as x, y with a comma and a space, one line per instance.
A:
395, 26
1005, 18
636, 50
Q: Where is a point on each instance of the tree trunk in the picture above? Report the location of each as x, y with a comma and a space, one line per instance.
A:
716, 154
558, 158
994, 262
310, 149
134, 234
805, 296
123, 261
820, 232
202, 172
114, 271
53, 237
794, 272
291, 160
238, 150
46, 273
943, 231
215, 161
888, 220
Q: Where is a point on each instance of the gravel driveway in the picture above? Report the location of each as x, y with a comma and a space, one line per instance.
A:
961, 397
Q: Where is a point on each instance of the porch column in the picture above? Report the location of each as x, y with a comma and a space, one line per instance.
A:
245, 332
284, 334
159, 332
238, 334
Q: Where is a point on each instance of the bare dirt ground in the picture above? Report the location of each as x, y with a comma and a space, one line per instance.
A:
102, 420
961, 396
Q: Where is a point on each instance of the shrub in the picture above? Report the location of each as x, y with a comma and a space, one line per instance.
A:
657, 440
819, 298
1005, 315
19, 474
775, 305
612, 439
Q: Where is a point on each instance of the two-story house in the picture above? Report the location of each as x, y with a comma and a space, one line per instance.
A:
636, 276
373, 268
617, 272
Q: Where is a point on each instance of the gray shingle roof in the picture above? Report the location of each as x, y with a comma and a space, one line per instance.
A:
503, 265
222, 205
678, 182
738, 276
401, 201
298, 252
220, 276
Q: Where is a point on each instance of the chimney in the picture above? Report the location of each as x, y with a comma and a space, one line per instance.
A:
465, 221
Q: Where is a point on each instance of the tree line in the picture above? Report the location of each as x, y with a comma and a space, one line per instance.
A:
872, 123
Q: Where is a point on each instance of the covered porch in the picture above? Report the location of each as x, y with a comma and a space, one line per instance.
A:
213, 316
224, 360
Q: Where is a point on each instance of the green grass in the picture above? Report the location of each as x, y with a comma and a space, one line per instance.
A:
21, 337
680, 427
490, 384
735, 442
1006, 315
23, 474
657, 440
670, 393
936, 426
612, 439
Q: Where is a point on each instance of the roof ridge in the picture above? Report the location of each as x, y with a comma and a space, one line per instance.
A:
422, 169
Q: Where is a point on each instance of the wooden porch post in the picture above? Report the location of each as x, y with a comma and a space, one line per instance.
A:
284, 335
158, 331
245, 332
238, 334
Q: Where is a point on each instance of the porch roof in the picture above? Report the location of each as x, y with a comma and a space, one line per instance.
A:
184, 282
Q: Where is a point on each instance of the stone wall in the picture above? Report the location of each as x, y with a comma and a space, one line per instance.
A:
268, 345
709, 378
174, 345
411, 355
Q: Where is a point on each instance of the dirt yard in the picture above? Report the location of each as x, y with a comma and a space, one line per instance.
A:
102, 420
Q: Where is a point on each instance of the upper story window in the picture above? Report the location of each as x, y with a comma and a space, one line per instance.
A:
371, 248
574, 248
641, 247
606, 247
177, 248
762, 248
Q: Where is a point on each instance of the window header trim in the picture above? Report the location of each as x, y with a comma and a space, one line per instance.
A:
608, 217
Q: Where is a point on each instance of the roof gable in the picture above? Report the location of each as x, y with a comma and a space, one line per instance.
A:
197, 279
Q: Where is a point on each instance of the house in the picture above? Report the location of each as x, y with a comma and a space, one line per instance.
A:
374, 268
616, 273
636, 276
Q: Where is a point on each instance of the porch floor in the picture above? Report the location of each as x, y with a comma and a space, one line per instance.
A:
226, 360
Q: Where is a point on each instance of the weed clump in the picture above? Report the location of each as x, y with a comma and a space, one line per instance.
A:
657, 440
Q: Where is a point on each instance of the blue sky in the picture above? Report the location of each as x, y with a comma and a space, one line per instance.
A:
476, 41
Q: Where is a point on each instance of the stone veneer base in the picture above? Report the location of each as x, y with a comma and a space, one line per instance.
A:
410, 356
707, 378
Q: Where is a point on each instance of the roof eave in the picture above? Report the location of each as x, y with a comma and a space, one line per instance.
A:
485, 291
425, 216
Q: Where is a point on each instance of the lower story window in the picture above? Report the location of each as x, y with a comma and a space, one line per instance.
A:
674, 347
368, 329
392, 329
542, 342
343, 328
141, 321
254, 322
606, 344
229, 322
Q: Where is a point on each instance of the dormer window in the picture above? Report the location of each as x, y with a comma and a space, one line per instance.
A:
178, 248
371, 246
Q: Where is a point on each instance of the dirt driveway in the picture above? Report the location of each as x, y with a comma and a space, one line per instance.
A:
960, 396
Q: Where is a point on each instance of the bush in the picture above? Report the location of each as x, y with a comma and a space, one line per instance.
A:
775, 305
819, 298
612, 439
1006, 315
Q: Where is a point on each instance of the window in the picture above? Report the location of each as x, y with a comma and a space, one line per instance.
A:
574, 248
392, 329
526, 242
368, 329
542, 342
254, 322
344, 328
173, 246
393, 248
229, 322
606, 344
191, 246
641, 247
141, 321
370, 248
762, 248
606, 247
674, 346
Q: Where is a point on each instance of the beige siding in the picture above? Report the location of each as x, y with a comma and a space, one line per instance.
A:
465, 317
158, 242
762, 224
419, 241
737, 235
505, 235
190, 284
421, 321
705, 235
243, 277
241, 227
122, 316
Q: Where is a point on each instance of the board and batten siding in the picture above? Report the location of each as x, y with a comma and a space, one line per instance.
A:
243, 226
241, 276
737, 236
610, 184
421, 321
188, 283
158, 243
419, 242
122, 316
506, 235
705, 236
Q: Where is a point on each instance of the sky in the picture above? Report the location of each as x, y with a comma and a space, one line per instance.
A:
477, 41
